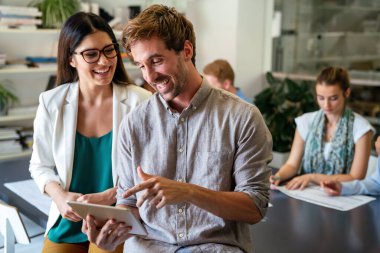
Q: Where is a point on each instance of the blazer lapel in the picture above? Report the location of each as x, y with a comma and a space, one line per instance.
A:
120, 109
70, 113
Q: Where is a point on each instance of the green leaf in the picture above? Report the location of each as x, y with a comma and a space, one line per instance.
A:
55, 12
280, 104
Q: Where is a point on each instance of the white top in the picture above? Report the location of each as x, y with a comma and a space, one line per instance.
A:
361, 127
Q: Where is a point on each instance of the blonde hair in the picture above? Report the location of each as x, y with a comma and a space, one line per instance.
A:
221, 69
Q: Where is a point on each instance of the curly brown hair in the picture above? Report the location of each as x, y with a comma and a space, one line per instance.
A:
161, 21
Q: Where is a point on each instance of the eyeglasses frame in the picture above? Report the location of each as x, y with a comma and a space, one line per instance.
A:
116, 45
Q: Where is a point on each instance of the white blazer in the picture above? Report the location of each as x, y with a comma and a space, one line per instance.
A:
54, 134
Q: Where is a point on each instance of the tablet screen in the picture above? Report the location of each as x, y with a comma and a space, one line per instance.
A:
103, 213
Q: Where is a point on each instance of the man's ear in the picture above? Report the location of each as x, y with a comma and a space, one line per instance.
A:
188, 50
227, 84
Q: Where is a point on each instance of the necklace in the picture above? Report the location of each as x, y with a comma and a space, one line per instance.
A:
330, 128
330, 132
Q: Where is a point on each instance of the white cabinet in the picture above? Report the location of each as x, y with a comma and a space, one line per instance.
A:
319, 33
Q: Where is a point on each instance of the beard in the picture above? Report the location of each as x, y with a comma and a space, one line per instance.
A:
177, 80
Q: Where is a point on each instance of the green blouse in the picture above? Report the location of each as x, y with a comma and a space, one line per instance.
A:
92, 172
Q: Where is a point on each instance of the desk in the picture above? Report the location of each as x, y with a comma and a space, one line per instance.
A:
293, 226
29, 200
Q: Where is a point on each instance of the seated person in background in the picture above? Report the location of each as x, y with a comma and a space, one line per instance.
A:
220, 74
331, 144
369, 186
76, 128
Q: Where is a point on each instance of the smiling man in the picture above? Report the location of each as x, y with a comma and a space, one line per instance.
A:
192, 159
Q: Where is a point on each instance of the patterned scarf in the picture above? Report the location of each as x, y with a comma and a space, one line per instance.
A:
342, 146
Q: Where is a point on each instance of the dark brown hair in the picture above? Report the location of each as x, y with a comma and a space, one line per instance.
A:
74, 30
165, 23
221, 69
334, 76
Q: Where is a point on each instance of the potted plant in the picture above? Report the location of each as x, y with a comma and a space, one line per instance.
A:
55, 12
280, 104
6, 99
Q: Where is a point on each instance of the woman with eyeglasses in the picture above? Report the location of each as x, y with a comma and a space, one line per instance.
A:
76, 128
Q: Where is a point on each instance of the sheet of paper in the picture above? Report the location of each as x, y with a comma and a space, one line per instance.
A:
28, 190
316, 195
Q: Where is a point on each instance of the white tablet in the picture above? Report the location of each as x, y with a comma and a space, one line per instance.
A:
103, 213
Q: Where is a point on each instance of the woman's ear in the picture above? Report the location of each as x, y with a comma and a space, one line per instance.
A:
347, 92
72, 62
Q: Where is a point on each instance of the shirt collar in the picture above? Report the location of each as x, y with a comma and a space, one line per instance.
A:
198, 98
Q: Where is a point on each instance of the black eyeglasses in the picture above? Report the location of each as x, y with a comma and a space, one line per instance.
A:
93, 55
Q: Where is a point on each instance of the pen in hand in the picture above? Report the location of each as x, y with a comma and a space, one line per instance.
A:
275, 179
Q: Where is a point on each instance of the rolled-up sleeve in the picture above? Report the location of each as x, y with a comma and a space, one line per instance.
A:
254, 152
369, 186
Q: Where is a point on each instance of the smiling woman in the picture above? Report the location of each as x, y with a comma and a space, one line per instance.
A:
76, 128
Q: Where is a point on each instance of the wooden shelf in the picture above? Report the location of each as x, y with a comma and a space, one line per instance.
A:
357, 58
12, 120
23, 69
30, 31
309, 77
51, 68
345, 8
339, 34
15, 156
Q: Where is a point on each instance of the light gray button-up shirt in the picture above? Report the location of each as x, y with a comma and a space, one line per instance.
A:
219, 142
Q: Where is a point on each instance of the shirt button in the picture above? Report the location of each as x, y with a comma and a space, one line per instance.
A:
182, 119
180, 180
180, 235
180, 210
194, 108
180, 150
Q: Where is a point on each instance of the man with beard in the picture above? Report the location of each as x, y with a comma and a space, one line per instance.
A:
192, 159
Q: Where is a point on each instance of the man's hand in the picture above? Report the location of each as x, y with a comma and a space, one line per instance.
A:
108, 236
332, 188
159, 191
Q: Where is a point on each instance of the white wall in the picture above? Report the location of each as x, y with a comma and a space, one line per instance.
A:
238, 31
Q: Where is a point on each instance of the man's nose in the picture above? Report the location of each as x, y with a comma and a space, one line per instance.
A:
149, 75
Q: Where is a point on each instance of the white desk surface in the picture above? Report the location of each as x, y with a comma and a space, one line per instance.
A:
28, 190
